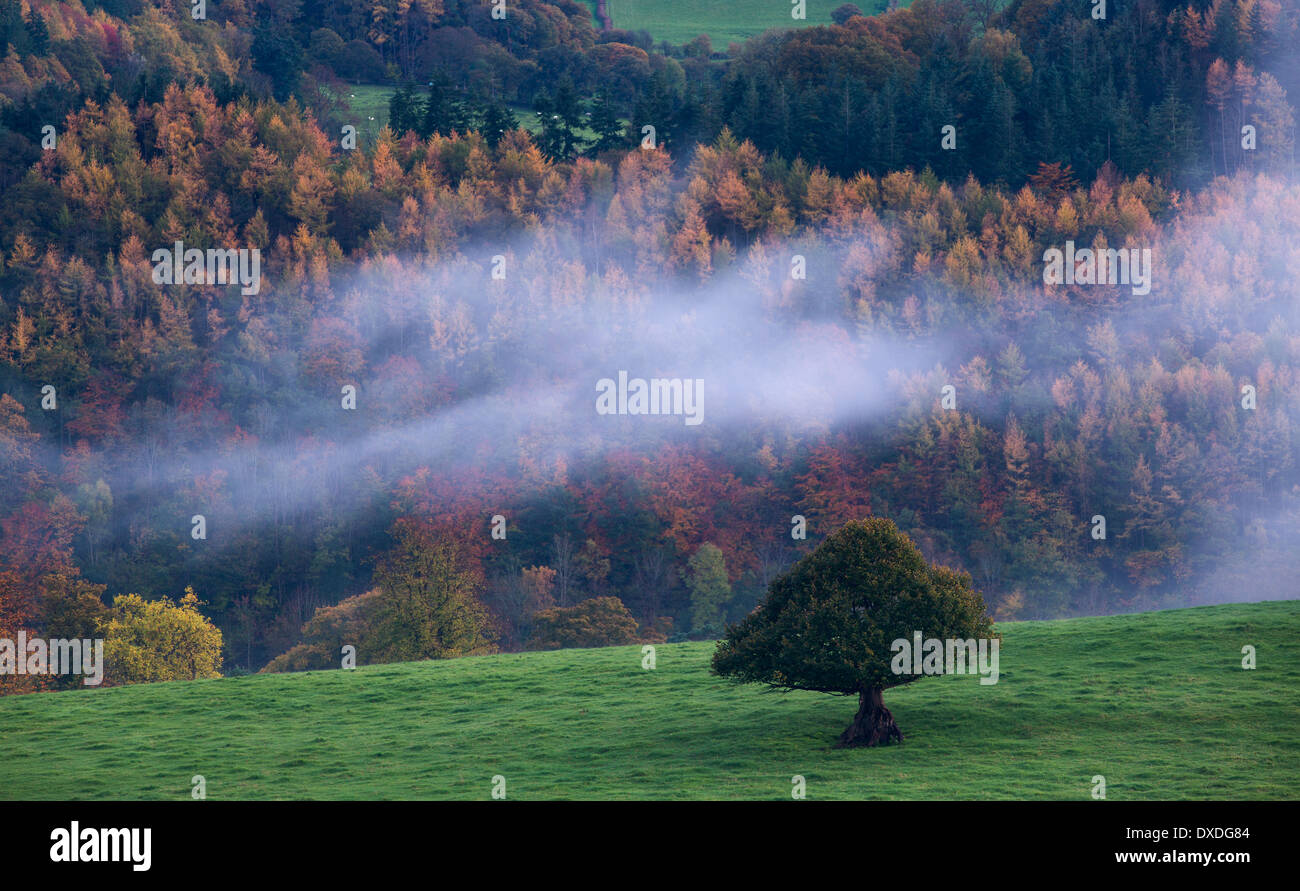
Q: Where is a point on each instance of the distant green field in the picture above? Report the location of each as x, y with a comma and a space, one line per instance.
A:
1156, 703
369, 104
678, 21
369, 101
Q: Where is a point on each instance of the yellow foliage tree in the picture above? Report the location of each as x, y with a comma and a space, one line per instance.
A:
159, 640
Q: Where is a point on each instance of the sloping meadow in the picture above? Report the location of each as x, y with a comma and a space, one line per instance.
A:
1158, 705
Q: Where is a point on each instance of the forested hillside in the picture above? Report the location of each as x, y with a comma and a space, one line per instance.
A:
794, 234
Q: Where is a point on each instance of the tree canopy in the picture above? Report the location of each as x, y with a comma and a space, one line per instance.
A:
829, 622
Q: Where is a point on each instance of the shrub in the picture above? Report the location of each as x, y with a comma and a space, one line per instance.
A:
598, 622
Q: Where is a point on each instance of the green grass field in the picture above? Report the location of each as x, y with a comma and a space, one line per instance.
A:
369, 100
1157, 703
679, 21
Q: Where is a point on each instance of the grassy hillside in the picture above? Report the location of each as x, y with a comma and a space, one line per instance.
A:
1157, 703
678, 21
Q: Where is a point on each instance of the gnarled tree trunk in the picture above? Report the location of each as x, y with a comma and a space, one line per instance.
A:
873, 725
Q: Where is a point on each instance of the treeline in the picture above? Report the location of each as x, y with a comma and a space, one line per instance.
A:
1158, 87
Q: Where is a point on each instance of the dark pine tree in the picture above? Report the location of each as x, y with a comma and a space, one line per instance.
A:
498, 120
439, 108
605, 124
38, 35
277, 55
402, 110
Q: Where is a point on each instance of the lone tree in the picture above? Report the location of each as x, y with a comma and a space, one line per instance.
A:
829, 622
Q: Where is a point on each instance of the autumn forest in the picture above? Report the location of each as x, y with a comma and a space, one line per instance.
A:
838, 229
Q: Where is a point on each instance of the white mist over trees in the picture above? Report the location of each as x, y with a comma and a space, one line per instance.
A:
436, 314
